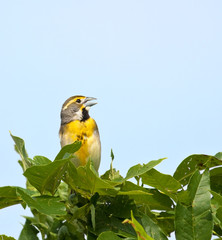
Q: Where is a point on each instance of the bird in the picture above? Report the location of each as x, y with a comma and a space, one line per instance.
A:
77, 125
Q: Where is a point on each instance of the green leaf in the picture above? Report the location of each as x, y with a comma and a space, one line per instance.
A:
216, 179
219, 155
113, 176
120, 206
219, 216
141, 233
194, 221
3, 237
9, 197
86, 178
40, 160
47, 177
63, 191
216, 204
165, 221
70, 149
217, 198
28, 232
92, 209
44, 204
112, 155
76, 231
190, 164
63, 233
151, 197
152, 228
138, 169
163, 182
108, 235
105, 221
20, 149
79, 212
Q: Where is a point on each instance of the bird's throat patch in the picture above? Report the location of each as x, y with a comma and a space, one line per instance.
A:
85, 115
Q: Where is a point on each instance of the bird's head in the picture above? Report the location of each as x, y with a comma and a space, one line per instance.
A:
76, 108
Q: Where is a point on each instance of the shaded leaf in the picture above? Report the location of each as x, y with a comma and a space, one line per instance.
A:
79, 212
63, 191
217, 198
63, 233
165, 220
194, 221
28, 232
92, 209
44, 204
139, 169
76, 230
106, 221
216, 204
120, 206
108, 236
152, 229
216, 179
190, 164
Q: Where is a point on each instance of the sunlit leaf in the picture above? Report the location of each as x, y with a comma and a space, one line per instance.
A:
190, 164
194, 221
20, 148
40, 160
3, 237
139, 169
47, 177
45, 204
86, 178
9, 197
141, 233
219, 155
163, 182
150, 197
70, 149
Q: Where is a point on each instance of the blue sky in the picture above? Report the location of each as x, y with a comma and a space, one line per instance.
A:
155, 67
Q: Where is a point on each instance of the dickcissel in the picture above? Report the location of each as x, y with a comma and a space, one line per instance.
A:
76, 124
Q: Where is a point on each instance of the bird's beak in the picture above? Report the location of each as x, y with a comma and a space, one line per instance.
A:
87, 102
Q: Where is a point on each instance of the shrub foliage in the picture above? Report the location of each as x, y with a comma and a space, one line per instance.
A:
76, 203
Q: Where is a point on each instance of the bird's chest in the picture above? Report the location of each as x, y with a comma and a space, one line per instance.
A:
78, 131
87, 133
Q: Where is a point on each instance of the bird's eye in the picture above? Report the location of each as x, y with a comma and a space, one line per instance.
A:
78, 100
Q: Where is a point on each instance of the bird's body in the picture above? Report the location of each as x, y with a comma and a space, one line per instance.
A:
76, 124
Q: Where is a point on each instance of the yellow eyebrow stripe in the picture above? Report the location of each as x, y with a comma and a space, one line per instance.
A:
71, 101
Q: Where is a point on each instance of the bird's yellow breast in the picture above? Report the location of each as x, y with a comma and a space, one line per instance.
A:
87, 133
